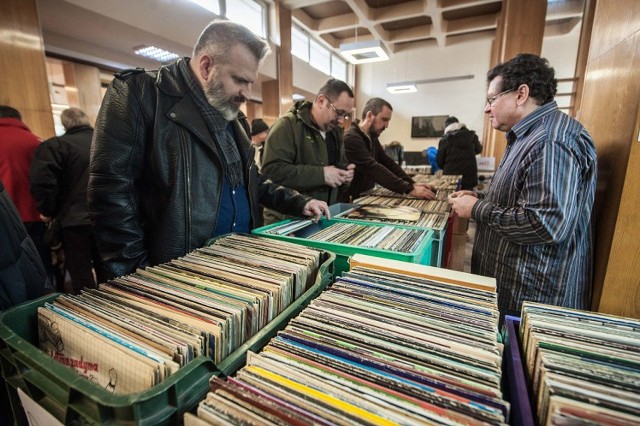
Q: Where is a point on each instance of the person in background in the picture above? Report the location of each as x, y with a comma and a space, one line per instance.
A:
259, 131
17, 146
22, 274
457, 152
395, 151
304, 148
171, 162
432, 154
59, 178
534, 224
363, 149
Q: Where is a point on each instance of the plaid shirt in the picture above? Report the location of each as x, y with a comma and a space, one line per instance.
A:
534, 225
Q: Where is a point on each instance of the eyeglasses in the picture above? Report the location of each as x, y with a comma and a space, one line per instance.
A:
340, 114
492, 99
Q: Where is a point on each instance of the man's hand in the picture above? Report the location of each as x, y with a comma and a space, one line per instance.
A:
316, 208
462, 202
351, 170
422, 191
334, 177
45, 219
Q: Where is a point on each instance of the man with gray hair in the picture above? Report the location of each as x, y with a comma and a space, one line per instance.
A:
59, 176
172, 165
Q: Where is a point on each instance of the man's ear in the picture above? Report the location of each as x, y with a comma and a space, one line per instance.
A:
522, 93
205, 67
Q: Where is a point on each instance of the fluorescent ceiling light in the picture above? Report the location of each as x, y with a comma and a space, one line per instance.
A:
401, 88
156, 53
363, 52
411, 86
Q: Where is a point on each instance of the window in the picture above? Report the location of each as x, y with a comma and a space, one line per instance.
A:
299, 44
249, 13
312, 52
338, 68
319, 57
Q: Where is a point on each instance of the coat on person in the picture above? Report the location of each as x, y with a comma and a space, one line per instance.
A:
22, 274
457, 152
164, 166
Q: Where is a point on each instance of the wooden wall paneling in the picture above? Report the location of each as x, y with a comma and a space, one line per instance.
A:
583, 54
523, 30
24, 79
621, 292
88, 86
285, 60
70, 84
609, 111
270, 100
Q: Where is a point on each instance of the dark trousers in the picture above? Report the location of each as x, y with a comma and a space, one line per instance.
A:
81, 257
36, 232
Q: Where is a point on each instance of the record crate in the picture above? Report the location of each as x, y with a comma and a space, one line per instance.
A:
421, 255
516, 385
73, 399
339, 211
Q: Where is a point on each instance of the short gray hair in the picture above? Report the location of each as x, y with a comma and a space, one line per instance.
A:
220, 36
74, 117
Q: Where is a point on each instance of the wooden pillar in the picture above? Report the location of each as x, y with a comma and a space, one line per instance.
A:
521, 31
24, 78
610, 112
277, 95
87, 79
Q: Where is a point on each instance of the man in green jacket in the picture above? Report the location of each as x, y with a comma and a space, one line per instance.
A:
304, 149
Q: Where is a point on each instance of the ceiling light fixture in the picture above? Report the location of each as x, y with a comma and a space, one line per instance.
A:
411, 86
401, 88
363, 52
156, 53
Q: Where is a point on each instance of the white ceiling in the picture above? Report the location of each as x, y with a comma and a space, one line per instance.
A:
107, 32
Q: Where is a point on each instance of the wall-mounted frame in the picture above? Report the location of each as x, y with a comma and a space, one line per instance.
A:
431, 126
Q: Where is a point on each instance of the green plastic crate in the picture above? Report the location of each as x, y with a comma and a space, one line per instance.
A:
75, 400
421, 255
340, 210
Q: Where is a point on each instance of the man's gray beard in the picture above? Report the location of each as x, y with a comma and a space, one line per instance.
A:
217, 98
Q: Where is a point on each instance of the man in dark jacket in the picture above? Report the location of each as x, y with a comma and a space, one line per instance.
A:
59, 177
457, 152
22, 274
304, 147
171, 163
373, 165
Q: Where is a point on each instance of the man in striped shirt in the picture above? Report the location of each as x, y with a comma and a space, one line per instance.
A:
534, 224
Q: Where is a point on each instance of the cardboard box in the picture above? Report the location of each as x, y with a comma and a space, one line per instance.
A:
486, 163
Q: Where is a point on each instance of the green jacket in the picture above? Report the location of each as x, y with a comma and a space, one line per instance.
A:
295, 153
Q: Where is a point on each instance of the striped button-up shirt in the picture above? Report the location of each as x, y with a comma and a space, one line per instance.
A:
534, 225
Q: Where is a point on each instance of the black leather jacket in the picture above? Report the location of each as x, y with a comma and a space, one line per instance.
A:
156, 176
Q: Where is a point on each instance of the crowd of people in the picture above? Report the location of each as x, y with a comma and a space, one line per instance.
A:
173, 161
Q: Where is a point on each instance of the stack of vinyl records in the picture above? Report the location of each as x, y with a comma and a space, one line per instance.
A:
584, 367
441, 194
134, 331
427, 206
380, 237
439, 181
399, 214
384, 345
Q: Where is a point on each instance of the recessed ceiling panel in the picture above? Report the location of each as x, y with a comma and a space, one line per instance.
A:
418, 21
468, 12
327, 9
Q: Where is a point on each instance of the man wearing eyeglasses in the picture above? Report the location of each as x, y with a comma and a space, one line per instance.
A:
304, 148
534, 224
373, 165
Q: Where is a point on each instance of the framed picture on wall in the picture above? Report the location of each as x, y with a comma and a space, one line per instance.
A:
430, 126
